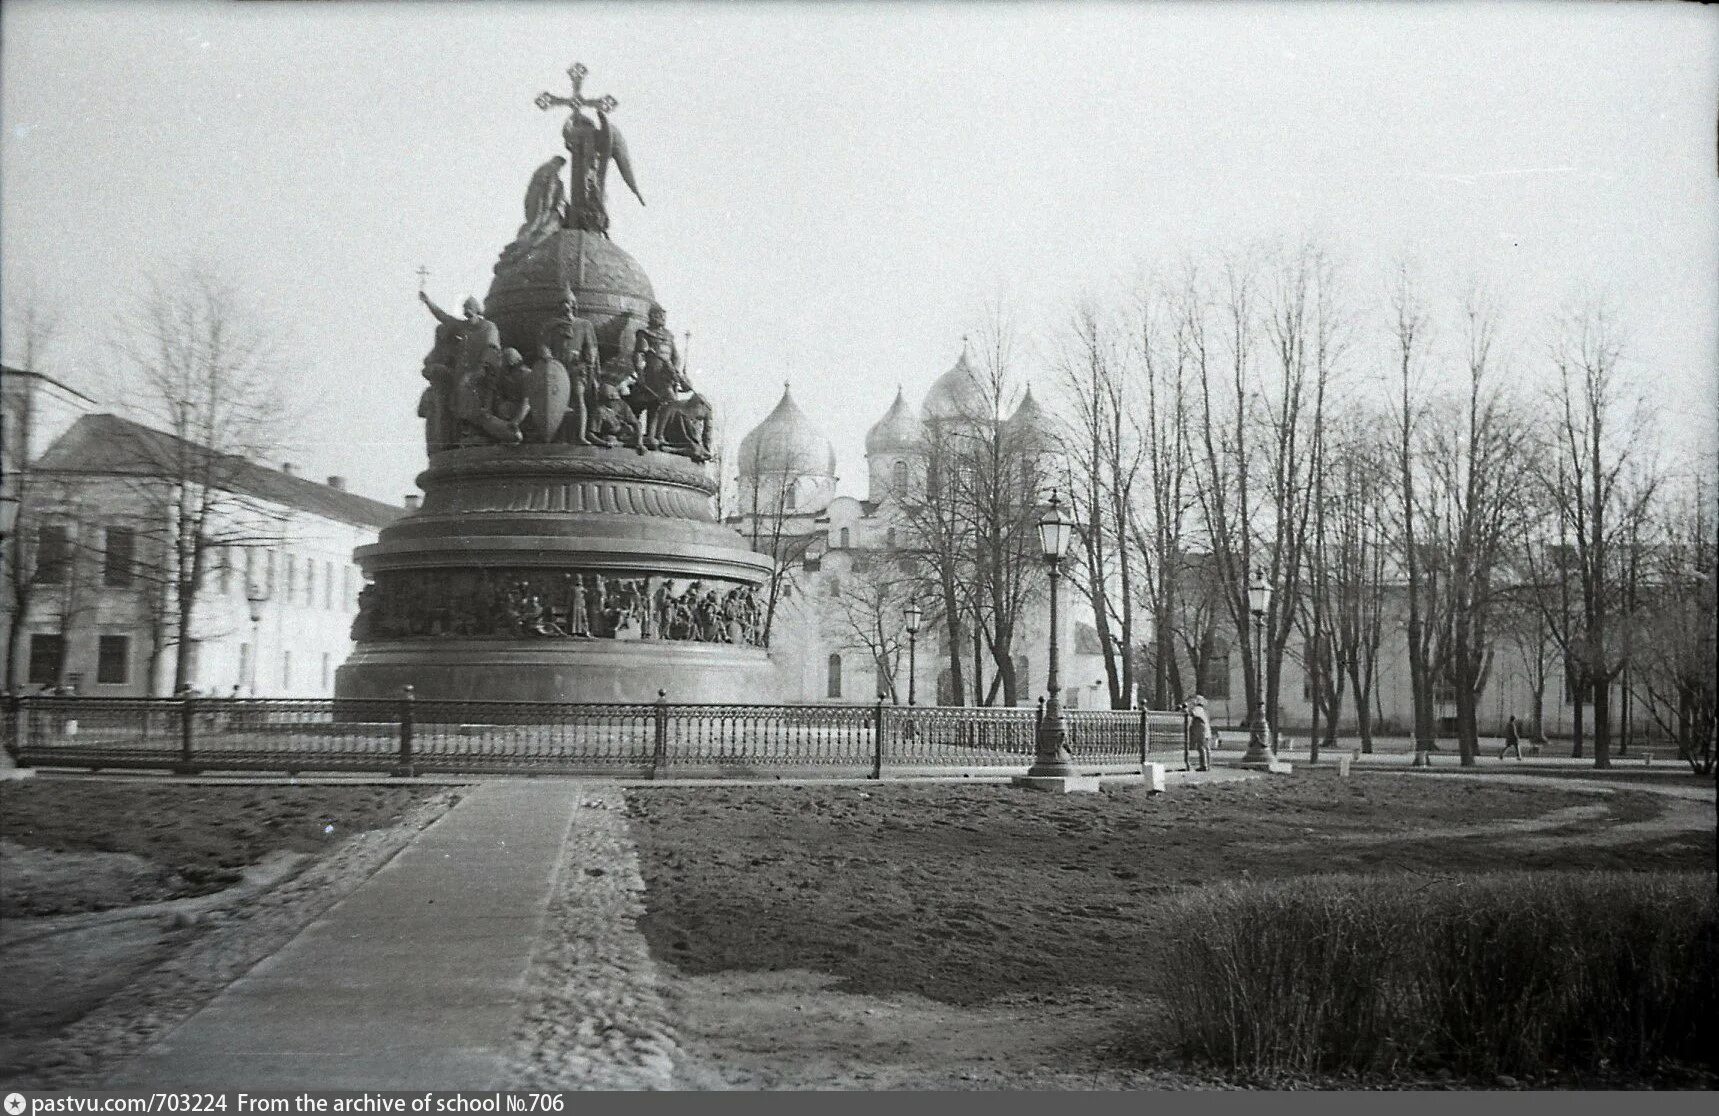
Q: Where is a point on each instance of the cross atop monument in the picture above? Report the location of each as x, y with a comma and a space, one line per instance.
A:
576, 74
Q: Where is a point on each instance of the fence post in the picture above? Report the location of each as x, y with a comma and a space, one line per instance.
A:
877, 739
187, 730
408, 718
659, 744
1145, 736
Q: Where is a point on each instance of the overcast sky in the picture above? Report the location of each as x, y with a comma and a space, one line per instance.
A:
836, 191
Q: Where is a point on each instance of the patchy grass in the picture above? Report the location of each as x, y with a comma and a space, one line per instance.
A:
1516, 974
964, 893
198, 838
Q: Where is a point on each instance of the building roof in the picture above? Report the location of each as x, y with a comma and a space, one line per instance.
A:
787, 442
957, 394
6, 370
898, 429
108, 445
1030, 425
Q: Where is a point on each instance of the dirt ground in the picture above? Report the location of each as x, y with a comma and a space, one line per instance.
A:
979, 936
80, 858
72, 845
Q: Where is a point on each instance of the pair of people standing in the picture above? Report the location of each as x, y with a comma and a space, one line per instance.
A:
1199, 737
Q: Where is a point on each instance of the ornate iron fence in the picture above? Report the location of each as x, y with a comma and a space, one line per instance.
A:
643, 739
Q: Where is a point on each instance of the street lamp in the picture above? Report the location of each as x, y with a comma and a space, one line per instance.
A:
255, 596
1258, 736
914, 616
1051, 743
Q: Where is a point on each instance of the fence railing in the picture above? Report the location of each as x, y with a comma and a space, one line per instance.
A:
406, 736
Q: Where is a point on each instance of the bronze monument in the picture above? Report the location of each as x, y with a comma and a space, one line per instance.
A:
565, 548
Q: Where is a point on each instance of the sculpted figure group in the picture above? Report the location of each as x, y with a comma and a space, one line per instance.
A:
480, 604
482, 394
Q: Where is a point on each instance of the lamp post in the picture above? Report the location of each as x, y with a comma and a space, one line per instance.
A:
914, 616
1259, 733
1051, 742
255, 596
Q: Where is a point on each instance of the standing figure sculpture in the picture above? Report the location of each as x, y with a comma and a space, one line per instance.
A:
657, 376
591, 146
545, 208
476, 379
435, 406
569, 342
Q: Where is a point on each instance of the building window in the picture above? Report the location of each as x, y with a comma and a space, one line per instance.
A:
845, 542
835, 689
269, 573
835, 586
325, 670
327, 585
346, 586
119, 557
47, 657
224, 559
290, 575
791, 497
113, 660
899, 471
889, 538
245, 663
286, 671
1216, 683
53, 554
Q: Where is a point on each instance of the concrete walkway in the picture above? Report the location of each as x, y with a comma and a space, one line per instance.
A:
414, 980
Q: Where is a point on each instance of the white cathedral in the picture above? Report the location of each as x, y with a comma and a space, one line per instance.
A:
839, 633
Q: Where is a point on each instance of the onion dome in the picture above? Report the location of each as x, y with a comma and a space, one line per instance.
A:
1030, 423
786, 442
957, 394
898, 430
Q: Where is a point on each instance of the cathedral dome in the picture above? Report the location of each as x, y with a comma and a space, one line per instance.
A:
786, 442
1030, 424
898, 430
957, 394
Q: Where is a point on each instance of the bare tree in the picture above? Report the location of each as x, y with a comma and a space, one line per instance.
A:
1599, 437
1283, 337
32, 336
1006, 483
870, 612
1673, 665
1410, 329
765, 496
1104, 455
1478, 470
207, 370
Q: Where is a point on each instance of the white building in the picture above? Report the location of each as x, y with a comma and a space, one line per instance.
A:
846, 561
86, 557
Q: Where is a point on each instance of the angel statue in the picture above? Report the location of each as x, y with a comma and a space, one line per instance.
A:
591, 147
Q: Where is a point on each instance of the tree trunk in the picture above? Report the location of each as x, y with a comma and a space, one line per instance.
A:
1602, 722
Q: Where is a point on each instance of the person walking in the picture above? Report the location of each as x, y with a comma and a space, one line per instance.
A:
1512, 739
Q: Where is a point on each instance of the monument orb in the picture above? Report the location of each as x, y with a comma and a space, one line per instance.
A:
565, 548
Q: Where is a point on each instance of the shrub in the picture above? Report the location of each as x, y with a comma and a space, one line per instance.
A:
1513, 973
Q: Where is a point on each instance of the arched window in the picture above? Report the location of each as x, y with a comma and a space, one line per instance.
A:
791, 496
835, 586
835, 689
845, 543
899, 481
